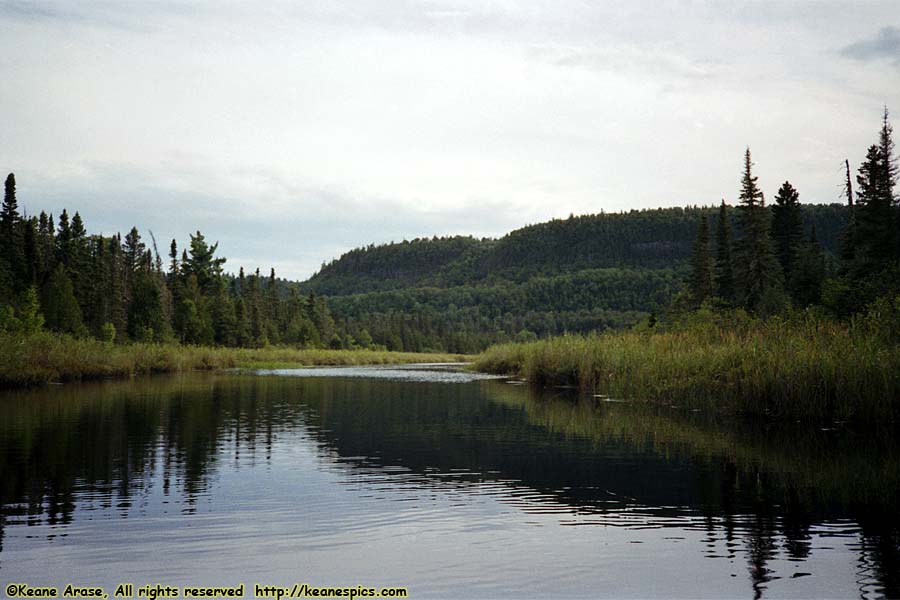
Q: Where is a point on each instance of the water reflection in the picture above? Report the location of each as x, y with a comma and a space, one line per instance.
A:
434, 461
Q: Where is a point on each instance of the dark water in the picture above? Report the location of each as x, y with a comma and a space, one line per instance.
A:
445, 484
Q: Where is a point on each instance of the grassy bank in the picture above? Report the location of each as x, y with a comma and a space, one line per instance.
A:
801, 367
45, 357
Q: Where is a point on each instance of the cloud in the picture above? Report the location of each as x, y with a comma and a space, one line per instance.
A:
884, 45
265, 221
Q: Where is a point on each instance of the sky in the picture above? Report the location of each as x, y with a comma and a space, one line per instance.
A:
292, 132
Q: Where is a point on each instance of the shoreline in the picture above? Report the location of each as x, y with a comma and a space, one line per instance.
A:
47, 358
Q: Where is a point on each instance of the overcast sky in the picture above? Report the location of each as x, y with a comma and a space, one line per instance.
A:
293, 132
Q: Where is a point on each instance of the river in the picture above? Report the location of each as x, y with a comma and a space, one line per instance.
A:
446, 483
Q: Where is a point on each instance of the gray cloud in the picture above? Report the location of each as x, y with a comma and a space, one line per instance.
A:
292, 132
297, 228
884, 45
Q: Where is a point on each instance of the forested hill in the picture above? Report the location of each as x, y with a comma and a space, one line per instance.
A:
578, 274
639, 239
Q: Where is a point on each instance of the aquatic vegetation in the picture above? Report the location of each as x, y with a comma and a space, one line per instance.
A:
48, 357
799, 366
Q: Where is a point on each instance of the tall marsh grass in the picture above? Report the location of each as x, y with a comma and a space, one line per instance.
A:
47, 357
801, 367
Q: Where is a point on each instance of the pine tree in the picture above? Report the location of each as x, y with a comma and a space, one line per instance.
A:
757, 272
787, 227
701, 282
203, 264
724, 265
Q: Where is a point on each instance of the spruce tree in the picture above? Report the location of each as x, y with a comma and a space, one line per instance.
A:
9, 214
701, 282
133, 251
173, 261
875, 227
757, 272
787, 227
12, 259
888, 176
724, 265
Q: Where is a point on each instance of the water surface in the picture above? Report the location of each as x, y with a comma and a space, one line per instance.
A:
447, 483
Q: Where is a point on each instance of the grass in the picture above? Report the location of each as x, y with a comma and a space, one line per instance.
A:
800, 367
46, 357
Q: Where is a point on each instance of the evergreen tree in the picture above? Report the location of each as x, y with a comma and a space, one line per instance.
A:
203, 264
31, 252
133, 251
875, 227
146, 314
63, 239
756, 267
9, 215
79, 263
724, 265
60, 308
701, 282
173, 261
787, 227
888, 177
888, 168
115, 272
809, 272
12, 259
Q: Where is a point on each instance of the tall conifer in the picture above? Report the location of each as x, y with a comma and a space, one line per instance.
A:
756, 268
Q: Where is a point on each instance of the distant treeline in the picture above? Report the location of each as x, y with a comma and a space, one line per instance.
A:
461, 294
581, 274
55, 275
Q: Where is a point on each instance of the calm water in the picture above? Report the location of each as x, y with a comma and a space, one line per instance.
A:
450, 485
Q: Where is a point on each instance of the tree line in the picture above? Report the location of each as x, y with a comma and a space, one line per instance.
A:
772, 262
54, 275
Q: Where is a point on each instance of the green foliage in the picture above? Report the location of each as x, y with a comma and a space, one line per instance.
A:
757, 272
800, 366
46, 357
787, 227
60, 307
26, 319
808, 273
724, 274
702, 266
108, 333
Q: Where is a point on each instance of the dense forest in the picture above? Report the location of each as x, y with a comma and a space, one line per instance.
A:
461, 294
580, 274
117, 289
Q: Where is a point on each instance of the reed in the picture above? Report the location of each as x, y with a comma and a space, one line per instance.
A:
800, 367
47, 357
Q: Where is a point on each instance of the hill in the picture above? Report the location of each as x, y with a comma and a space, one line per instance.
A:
578, 274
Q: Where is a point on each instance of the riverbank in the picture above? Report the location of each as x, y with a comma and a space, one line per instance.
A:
803, 367
44, 358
